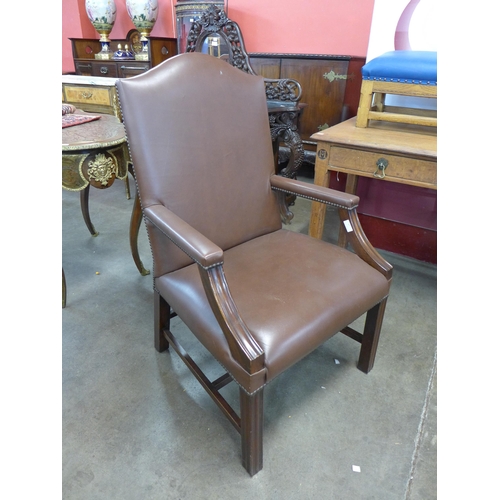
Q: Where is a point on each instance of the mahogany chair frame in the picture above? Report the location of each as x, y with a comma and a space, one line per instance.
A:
183, 250
249, 422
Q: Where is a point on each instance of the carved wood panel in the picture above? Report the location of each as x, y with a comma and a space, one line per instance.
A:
330, 86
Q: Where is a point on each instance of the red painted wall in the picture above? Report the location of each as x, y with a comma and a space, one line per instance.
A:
292, 26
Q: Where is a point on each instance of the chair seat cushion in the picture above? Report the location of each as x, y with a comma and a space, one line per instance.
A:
290, 303
403, 66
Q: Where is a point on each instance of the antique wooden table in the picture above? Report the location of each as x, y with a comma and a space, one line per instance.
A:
95, 154
394, 152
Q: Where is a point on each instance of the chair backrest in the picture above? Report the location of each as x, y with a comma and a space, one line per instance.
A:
214, 33
198, 134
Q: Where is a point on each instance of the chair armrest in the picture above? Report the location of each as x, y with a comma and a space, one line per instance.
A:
347, 208
244, 348
203, 251
360, 243
209, 257
314, 192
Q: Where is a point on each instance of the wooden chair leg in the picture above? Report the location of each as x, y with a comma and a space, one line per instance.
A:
371, 334
252, 416
161, 321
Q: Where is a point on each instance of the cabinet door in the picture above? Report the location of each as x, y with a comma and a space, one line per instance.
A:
161, 49
85, 48
353, 87
323, 84
266, 67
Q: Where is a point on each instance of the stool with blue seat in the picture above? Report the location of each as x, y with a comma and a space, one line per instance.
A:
402, 72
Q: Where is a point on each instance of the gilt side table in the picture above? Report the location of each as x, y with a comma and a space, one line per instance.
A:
95, 154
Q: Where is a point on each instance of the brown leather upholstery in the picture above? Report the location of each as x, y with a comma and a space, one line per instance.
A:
284, 297
258, 297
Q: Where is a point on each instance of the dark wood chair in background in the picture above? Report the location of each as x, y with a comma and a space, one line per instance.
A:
258, 297
215, 34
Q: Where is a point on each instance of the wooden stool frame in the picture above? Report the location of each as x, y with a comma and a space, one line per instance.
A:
372, 103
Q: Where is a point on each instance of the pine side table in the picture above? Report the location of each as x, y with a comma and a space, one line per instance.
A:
390, 152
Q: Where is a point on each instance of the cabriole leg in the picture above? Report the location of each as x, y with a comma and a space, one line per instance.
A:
84, 205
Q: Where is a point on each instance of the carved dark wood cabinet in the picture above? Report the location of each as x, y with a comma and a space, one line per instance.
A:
330, 84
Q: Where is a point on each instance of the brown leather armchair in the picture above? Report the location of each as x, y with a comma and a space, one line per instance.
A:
258, 297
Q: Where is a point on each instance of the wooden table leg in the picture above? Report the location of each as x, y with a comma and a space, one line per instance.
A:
127, 188
321, 178
84, 205
135, 223
350, 187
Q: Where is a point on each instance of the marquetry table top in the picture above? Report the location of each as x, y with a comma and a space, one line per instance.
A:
102, 133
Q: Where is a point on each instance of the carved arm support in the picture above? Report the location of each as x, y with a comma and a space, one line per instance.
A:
282, 89
347, 209
210, 258
360, 244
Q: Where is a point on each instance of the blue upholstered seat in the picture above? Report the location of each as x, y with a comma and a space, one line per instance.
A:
403, 66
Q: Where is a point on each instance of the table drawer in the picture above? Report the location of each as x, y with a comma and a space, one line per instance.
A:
88, 95
402, 169
91, 98
128, 69
83, 68
104, 69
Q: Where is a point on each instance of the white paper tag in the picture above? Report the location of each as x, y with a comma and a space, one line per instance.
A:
348, 226
356, 468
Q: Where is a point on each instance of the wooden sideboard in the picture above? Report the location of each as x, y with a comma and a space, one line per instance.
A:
331, 86
84, 50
